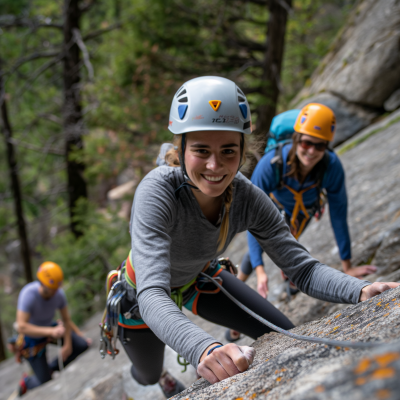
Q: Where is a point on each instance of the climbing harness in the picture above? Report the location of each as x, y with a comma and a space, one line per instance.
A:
301, 215
29, 347
311, 339
116, 290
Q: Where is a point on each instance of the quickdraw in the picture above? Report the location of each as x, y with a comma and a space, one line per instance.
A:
109, 322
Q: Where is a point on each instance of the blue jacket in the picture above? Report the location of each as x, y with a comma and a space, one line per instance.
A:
264, 176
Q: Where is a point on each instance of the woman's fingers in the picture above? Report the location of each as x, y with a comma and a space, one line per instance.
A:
376, 288
226, 361
207, 373
249, 353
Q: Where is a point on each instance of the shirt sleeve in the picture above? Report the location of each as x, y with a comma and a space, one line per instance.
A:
308, 274
264, 177
25, 300
337, 198
62, 299
153, 213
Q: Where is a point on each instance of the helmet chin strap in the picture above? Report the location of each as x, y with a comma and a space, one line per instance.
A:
183, 166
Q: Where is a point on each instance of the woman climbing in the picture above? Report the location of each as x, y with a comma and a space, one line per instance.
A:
183, 218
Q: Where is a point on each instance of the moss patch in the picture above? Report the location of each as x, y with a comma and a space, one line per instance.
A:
361, 139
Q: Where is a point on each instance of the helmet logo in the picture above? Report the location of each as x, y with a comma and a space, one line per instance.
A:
243, 109
182, 110
317, 128
332, 128
215, 104
303, 119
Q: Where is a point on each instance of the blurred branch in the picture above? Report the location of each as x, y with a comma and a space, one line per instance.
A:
87, 6
11, 21
31, 57
100, 32
86, 59
35, 147
51, 117
40, 71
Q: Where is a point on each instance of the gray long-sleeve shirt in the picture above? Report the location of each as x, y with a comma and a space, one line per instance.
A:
172, 241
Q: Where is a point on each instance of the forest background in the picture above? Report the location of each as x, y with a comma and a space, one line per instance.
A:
86, 92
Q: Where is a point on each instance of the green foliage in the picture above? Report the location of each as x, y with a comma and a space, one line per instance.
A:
87, 260
137, 70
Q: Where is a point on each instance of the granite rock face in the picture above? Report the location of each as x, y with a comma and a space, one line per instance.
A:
285, 368
361, 71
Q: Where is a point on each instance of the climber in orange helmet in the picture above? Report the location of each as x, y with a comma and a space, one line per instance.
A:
37, 303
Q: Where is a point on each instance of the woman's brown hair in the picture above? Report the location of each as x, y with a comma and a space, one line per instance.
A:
172, 160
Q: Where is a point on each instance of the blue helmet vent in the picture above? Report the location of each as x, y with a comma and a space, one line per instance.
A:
182, 110
243, 109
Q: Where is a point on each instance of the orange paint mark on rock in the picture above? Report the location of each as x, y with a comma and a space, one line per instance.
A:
253, 396
239, 398
362, 366
279, 378
385, 359
360, 381
337, 316
283, 370
319, 389
383, 394
383, 373
386, 314
247, 392
379, 304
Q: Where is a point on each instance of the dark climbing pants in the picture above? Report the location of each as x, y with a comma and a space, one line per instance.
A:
146, 351
43, 370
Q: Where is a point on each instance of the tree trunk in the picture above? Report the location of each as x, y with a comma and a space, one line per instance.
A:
72, 111
276, 28
15, 186
2, 348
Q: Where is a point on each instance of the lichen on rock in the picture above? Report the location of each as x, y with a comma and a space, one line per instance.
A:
285, 368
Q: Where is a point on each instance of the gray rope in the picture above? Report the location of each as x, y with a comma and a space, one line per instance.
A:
312, 339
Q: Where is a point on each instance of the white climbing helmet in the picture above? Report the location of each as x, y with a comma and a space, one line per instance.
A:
209, 103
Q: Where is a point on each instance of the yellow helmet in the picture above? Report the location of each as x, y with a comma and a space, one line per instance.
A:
50, 275
316, 120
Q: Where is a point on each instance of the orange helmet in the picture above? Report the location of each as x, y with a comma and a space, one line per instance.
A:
50, 275
316, 120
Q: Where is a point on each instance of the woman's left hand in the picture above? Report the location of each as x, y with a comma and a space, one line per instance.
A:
225, 361
376, 288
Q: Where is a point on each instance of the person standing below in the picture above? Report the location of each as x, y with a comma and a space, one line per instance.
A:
37, 303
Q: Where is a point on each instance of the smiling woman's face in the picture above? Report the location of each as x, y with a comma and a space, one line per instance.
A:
212, 160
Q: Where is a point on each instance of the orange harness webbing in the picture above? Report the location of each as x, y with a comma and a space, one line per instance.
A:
298, 206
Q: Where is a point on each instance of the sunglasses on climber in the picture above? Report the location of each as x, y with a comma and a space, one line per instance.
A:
306, 144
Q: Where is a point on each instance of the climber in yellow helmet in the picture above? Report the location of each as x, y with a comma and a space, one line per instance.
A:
299, 173
37, 303
295, 174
